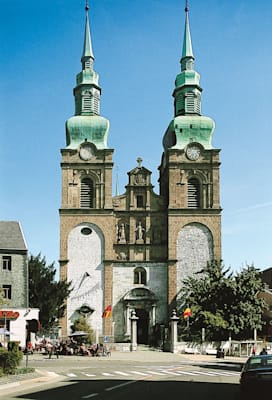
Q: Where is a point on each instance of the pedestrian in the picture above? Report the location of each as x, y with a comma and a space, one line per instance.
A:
49, 349
263, 352
253, 351
57, 349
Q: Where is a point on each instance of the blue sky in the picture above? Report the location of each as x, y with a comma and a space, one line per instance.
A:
137, 46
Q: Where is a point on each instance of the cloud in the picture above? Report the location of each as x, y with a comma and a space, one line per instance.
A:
251, 208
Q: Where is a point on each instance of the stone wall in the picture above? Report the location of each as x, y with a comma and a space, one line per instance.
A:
156, 282
194, 250
86, 271
17, 278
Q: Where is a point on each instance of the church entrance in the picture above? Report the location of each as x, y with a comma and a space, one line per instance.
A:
142, 326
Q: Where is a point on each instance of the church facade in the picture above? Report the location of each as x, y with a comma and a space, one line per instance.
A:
133, 251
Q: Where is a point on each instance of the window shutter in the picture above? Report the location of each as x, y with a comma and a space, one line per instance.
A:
86, 193
193, 193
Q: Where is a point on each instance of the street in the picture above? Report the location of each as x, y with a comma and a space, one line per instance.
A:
144, 389
109, 378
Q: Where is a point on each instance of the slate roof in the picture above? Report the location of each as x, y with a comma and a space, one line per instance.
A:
11, 236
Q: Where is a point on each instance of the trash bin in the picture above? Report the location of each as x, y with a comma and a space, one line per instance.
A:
220, 353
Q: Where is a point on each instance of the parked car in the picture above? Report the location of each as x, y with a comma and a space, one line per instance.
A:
256, 376
211, 350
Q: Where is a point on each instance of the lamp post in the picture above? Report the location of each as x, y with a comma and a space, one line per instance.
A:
5, 329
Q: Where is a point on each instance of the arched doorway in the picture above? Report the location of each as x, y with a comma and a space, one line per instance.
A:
144, 302
142, 326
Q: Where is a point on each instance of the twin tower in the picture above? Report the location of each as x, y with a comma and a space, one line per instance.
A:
133, 251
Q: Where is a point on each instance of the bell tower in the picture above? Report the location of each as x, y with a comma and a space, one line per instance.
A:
189, 178
86, 206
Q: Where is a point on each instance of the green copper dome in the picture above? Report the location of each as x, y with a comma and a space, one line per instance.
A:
183, 130
94, 129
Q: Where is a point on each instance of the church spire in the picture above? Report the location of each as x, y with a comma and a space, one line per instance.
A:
187, 50
87, 124
187, 92
87, 55
188, 123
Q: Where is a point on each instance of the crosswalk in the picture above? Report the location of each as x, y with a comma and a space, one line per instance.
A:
158, 373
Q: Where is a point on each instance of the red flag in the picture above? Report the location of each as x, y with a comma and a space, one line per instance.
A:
107, 313
187, 313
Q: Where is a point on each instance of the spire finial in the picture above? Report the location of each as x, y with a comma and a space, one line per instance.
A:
139, 161
87, 6
186, 6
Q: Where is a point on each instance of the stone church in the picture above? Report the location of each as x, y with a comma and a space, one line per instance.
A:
132, 251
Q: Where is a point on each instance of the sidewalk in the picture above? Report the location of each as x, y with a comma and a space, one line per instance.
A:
49, 370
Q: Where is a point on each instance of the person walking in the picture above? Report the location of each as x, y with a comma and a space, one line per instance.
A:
263, 352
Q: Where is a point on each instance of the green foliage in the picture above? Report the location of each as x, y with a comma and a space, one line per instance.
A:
45, 292
81, 324
248, 308
10, 359
222, 303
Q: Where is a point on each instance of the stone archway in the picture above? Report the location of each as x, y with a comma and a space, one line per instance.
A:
144, 302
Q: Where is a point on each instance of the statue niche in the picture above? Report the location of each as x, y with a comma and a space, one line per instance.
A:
139, 233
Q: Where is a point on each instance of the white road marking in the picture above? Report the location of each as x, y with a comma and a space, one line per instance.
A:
161, 372
226, 373
118, 386
89, 396
185, 373
84, 373
203, 373
170, 372
156, 373
139, 373
121, 373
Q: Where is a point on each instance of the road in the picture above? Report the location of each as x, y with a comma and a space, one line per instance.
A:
128, 379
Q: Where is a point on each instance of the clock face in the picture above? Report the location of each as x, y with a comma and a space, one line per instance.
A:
193, 152
86, 152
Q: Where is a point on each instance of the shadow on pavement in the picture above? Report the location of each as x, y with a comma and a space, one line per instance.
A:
135, 390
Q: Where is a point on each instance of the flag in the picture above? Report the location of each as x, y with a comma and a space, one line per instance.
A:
107, 313
187, 313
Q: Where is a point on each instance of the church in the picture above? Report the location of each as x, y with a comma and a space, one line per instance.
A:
131, 252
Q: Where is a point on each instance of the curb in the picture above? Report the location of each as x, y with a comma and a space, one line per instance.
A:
45, 377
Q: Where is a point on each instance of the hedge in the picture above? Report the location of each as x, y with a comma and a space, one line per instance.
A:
10, 359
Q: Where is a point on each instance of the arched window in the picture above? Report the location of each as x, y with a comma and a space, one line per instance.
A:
87, 193
140, 276
193, 190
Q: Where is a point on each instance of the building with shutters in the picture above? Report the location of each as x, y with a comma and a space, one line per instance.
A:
15, 312
14, 264
132, 251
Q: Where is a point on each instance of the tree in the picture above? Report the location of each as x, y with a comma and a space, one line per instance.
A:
224, 304
209, 294
247, 310
45, 292
81, 324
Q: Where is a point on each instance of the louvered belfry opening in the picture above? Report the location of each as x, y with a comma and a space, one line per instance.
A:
193, 193
86, 193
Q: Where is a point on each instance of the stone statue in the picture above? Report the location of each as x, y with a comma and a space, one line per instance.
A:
121, 233
139, 233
